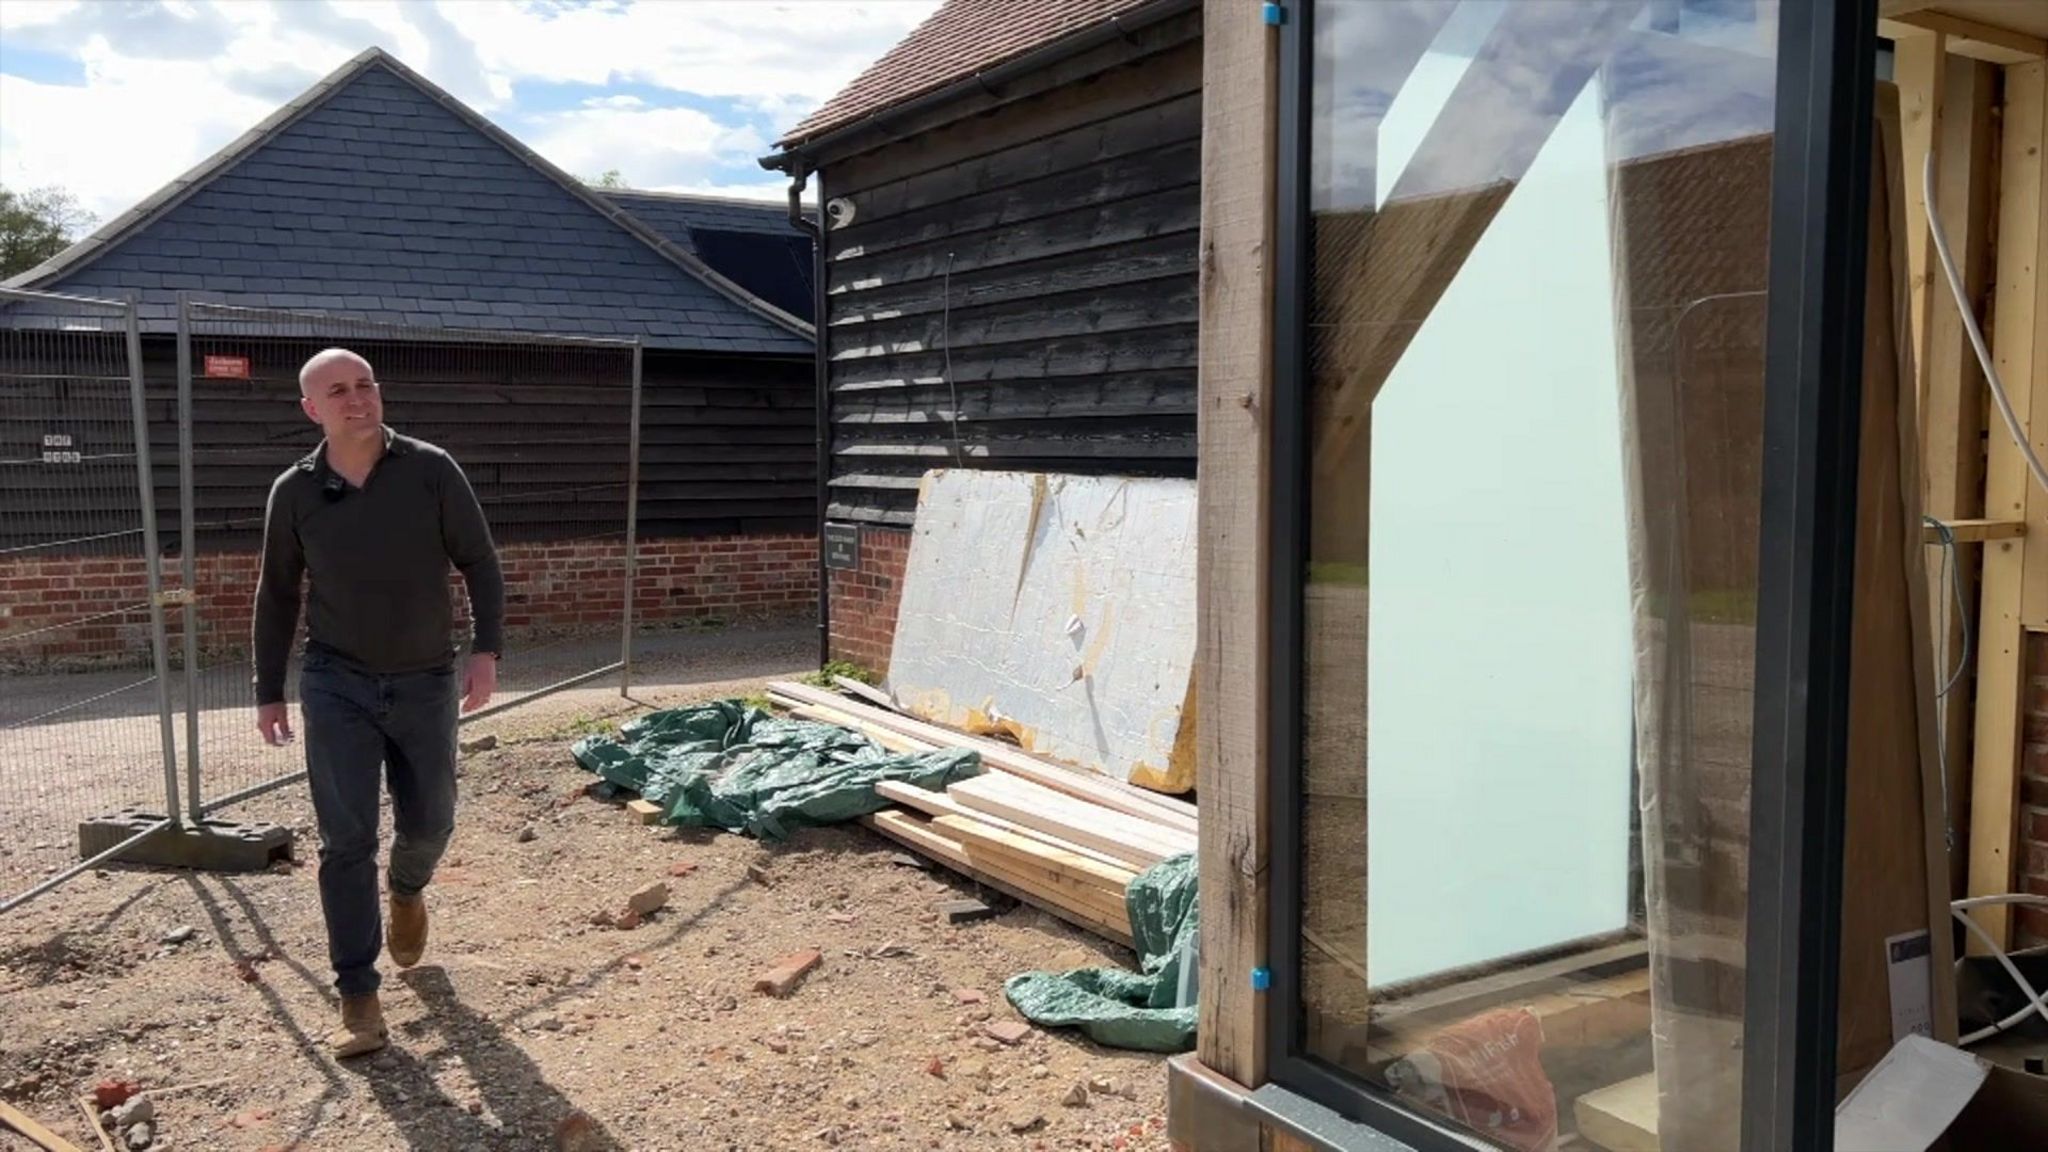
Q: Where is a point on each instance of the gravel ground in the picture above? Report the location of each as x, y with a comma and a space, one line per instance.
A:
530, 1026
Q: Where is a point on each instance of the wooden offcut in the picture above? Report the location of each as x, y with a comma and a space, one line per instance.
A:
1095, 829
921, 836
1622, 1117
941, 804
978, 835
19, 1121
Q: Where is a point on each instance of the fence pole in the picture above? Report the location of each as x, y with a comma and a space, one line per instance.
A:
188, 519
632, 534
152, 562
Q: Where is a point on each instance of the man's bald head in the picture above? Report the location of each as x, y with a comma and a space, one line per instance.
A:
338, 391
329, 364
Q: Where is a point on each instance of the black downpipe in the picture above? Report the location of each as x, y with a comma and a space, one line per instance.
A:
821, 403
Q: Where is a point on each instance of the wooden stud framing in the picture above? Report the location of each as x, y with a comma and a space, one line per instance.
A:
2019, 347
1974, 531
1971, 39
1919, 62
1951, 407
1239, 100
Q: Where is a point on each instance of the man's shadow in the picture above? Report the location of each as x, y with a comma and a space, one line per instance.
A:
514, 1092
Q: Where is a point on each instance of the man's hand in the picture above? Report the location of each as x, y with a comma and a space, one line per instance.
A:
479, 681
274, 722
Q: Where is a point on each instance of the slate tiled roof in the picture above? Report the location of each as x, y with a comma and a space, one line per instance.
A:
379, 196
674, 214
963, 37
749, 242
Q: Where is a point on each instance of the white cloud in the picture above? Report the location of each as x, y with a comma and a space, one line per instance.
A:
166, 85
756, 49
773, 191
117, 139
647, 145
25, 13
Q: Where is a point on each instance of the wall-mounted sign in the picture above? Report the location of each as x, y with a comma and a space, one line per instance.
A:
227, 367
842, 547
58, 448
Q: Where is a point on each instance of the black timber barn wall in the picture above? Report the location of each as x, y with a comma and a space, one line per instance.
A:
727, 443
1017, 290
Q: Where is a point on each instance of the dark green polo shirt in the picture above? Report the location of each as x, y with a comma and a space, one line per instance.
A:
378, 558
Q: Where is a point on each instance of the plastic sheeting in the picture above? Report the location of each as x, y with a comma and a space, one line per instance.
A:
726, 765
1119, 1009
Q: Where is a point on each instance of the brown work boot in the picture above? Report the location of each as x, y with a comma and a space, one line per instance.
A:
408, 940
362, 1028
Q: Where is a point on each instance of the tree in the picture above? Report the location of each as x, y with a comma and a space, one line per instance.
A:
36, 225
610, 179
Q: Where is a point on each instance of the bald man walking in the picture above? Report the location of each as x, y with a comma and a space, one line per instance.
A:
375, 520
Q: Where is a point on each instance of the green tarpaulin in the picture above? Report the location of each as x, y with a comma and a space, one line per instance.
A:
1120, 1009
725, 765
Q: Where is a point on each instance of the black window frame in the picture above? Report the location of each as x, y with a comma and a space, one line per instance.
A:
1820, 189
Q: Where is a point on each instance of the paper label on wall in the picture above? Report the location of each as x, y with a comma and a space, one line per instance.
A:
1908, 958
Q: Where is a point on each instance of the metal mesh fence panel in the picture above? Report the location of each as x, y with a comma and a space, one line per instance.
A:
544, 428
84, 699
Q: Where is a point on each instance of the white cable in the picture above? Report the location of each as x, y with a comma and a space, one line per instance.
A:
2036, 1001
1955, 287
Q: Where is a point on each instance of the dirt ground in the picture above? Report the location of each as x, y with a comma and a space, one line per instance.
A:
527, 1023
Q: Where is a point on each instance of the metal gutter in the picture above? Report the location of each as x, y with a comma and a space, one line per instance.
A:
821, 406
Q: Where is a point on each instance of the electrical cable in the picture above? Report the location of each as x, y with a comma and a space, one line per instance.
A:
2036, 1001
946, 349
1951, 580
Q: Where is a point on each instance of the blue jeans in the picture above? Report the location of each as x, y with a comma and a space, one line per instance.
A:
358, 721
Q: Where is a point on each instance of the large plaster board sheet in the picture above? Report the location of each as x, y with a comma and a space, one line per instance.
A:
1059, 609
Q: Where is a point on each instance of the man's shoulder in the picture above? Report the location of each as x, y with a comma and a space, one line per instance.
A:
414, 446
302, 475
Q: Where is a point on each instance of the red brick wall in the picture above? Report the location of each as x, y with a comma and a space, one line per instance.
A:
864, 600
2032, 923
550, 589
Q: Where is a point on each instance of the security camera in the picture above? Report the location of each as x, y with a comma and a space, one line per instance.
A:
839, 210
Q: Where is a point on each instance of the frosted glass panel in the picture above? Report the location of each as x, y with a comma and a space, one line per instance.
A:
1500, 660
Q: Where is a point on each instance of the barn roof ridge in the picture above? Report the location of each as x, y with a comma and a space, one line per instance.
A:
167, 198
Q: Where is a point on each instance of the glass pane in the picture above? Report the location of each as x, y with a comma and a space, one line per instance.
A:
1535, 350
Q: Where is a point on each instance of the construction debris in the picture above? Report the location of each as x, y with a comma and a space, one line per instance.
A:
1011, 1032
966, 911
782, 979
1063, 840
648, 898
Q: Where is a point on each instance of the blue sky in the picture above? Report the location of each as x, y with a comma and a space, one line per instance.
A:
112, 99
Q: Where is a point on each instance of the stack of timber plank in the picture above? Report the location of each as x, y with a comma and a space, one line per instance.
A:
1065, 841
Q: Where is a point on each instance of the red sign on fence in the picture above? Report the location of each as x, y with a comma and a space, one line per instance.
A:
228, 367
